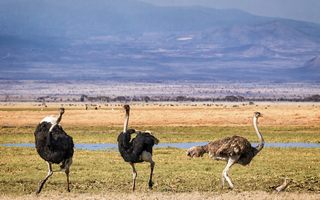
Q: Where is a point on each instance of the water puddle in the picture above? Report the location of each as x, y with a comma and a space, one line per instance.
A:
182, 145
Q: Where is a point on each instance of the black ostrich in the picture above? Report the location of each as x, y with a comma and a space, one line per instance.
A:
138, 149
54, 146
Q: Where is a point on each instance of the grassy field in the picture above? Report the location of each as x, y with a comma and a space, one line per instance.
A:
98, 173
172, 133
104, 171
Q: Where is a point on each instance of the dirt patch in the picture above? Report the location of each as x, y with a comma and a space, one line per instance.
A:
168, 196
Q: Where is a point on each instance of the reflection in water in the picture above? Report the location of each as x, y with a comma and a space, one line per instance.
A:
182, 145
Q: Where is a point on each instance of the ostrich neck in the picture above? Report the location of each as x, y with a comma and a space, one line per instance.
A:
126, 121
261, 140
59, 118
55, 123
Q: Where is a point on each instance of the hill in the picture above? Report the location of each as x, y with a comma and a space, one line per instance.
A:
131, 40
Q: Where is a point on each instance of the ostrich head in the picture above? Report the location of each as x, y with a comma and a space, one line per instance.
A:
61, 111
126, 108
196, 151
257, 115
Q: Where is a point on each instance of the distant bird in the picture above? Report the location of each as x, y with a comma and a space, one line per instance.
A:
235, 149
54, 146
138, 149
284, 185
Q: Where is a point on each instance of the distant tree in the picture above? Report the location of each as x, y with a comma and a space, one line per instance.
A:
83, 98
7, 98
120, 98
146, 99
234, 98
315, 98
231, 98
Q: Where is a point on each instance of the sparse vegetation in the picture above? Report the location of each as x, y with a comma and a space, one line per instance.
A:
104, 172
102, 134
108, 91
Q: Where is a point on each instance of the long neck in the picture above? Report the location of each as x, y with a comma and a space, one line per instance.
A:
126, 121
59, 118
261, 140
57, 122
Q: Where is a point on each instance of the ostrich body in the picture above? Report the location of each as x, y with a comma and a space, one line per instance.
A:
235, 149
54, 146
137, 150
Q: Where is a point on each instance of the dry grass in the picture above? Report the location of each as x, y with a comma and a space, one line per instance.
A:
104, 175
291, 122
288, 114
168, 196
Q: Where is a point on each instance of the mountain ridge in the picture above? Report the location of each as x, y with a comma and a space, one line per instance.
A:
127, 40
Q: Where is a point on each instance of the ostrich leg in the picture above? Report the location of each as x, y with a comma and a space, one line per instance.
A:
225, 176
147, 157
134, 176
152, 163
41, 183
68, 182
66, 167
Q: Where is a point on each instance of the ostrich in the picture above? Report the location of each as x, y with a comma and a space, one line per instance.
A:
138, 149
54, 146
233, 149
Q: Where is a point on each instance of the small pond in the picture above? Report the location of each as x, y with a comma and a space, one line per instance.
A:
182, 145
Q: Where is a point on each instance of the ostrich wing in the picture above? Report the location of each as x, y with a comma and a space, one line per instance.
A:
131, 151
125, 145
53, 147
144, 141
229, 146
124, 140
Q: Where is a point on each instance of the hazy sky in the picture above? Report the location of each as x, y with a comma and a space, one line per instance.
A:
306, 10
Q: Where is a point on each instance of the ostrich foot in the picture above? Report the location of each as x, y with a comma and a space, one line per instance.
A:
150, 185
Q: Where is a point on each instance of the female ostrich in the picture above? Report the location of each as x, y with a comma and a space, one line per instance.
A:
233, 149
54, 146
138, 149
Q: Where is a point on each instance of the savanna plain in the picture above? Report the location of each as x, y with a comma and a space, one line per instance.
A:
103, 174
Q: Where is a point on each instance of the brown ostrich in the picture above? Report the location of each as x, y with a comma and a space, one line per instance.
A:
137, 150
235, 149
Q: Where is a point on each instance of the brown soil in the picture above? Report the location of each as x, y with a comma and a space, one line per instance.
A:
169, 196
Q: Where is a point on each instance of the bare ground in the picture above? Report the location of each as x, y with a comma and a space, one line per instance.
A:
168, 196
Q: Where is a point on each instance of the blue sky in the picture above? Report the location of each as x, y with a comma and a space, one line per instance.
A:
306, 10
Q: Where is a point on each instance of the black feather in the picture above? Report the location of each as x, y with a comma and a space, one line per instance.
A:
131, 150
54, 147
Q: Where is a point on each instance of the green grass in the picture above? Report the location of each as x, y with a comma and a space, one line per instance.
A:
172, 133
105, 171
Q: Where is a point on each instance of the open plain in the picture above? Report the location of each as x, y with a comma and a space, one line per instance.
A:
104, 175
